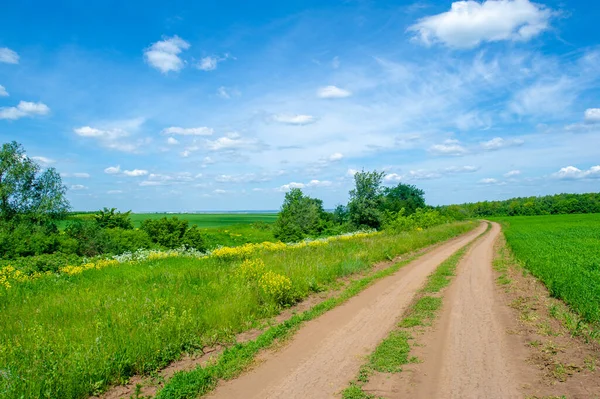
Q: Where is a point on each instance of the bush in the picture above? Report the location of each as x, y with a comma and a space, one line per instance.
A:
194, 238
90, 237
111, 219
27, 239
42, 263
167, 232
121, 240
300, 216
421, 219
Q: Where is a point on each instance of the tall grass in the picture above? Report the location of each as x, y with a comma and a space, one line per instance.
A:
563, 251
73, 336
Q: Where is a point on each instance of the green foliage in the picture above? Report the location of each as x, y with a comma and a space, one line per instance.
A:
118, 241
166, 232
91, 239
26, 238
364, 207
403, 196
27, 192
78, 334
529, 206
194, 238
300, 216
391, 353
42, 263
111, 218
421, 219
563, 252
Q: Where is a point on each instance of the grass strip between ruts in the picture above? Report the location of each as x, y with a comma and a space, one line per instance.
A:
237, 358
393, 352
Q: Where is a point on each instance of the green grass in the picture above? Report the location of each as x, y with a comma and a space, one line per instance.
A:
73, 336
563, 251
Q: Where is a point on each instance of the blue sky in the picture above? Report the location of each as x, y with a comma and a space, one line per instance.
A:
225, 105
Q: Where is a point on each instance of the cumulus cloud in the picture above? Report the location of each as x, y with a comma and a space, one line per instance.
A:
573, 173
333, 92
112, 192
289, 119
512, 173
242, 178
192, 131
24, 109
3, 92
289, 186
233, 142
425, 174
43, 160
392, 178
164, 55
318, 183
172, 141
135, 172
592, 115
488, 180
449, 147
8, 56
498, 142
469, 23
352, 172
164, 179
113, 170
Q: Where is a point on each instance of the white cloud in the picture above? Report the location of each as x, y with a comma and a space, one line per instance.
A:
210, 63
592, 115
163, 55
573, 173
488, 180
112, 134
289, 119
336, 156
233, 142
512, 173
498, 142
223, 93
172, 141
546, 96
135, 172
185, 153
112, 192
220, 191
3, 92
43, 160
392, 178
333, 92
192, 131
23, 109
318, 183
289, 186
151, 183
469, 23
77, 187
8, 56
113, 170
449, 147
352, 172
460, 169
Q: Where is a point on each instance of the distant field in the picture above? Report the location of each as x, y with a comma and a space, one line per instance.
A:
204, 220
564, 252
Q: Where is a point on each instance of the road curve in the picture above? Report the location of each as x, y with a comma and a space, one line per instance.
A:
326, 353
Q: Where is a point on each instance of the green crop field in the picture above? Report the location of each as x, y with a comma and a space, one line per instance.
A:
72, 335
564, 252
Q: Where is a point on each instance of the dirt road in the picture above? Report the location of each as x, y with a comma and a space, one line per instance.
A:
327, 352
470, 353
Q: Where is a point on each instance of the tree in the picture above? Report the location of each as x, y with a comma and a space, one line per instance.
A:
365, 199
26, 191
300, 216
404, 196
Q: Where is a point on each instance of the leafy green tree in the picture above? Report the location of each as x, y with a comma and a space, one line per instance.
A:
167, 232
300, 216
402, 196
26, 191
111, 218
364, 207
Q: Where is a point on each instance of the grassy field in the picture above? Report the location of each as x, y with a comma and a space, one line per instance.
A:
563, 251
72, 336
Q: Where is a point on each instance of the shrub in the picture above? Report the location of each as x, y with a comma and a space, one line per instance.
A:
167, 232
27, 239
111, 218
194, 238
42, 263
300, 216
120, 240
421, 219
91, 239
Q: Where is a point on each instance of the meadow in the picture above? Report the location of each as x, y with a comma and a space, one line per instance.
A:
563, 251
73, 334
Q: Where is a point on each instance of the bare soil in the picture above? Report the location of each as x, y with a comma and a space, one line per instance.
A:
326, 353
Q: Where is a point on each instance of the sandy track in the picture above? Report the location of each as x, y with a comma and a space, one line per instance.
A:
470, 354
327, 352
